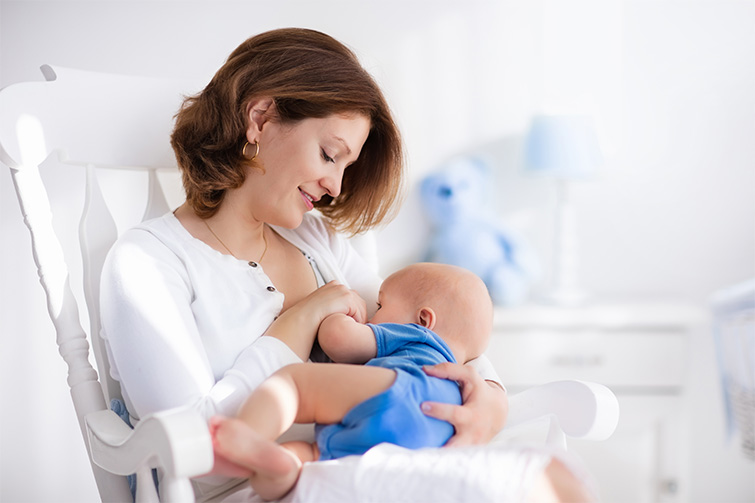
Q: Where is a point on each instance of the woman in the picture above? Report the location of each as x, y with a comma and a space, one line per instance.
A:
201, 305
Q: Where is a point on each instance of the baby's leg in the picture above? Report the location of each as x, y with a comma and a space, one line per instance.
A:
327, 391
301, 393
311, 393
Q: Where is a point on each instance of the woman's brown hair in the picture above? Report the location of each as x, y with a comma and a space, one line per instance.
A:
309, 75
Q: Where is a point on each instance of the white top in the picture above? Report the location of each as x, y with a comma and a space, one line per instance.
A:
183, 323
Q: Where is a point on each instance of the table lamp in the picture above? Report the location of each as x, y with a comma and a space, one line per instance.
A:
564, 148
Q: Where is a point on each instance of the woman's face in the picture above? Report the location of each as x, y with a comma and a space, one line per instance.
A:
302, 163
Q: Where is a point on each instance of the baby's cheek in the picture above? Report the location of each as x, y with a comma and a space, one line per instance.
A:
377, 317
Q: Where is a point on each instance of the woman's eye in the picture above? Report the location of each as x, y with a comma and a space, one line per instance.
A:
326, 157
378, 305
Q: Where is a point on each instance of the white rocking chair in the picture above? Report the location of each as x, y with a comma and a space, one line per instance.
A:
117, 122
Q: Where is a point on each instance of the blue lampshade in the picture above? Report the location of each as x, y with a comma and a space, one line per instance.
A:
562, 146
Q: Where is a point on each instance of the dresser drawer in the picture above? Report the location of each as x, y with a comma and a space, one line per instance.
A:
625, 359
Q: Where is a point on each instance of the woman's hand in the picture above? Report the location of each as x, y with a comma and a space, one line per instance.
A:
298, 325
334, 297
484, 408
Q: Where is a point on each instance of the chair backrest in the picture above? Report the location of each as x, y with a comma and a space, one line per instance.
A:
95, 121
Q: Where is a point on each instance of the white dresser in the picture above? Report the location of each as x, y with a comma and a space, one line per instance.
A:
639, 351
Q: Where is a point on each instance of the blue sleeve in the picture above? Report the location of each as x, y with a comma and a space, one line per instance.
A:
391, 337
410, 340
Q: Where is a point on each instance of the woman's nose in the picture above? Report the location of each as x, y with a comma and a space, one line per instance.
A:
332, 182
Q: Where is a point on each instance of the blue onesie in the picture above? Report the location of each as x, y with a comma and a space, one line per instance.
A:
394, 416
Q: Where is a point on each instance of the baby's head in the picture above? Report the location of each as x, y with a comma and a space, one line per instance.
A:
451, 301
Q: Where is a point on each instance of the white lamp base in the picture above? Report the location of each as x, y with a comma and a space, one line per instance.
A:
564, 289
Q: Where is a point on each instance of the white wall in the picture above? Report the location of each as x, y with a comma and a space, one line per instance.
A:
671, 83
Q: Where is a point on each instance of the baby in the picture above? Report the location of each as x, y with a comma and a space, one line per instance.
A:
427, 314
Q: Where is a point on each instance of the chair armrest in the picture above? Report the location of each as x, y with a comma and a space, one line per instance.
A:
581, 409
176, 441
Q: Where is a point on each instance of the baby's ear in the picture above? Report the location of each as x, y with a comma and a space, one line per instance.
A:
426, 317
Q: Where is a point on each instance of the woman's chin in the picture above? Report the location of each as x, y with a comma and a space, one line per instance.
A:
290, 222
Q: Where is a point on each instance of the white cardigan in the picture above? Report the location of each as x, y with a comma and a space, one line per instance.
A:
183, 323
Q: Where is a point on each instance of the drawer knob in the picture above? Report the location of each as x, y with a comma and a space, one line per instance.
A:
669, 486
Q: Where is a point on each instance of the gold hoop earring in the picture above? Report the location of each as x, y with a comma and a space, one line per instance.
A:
256, 151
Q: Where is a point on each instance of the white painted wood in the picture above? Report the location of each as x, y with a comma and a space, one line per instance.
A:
97, 120
86, 392
578, 409
167, 440
97, 233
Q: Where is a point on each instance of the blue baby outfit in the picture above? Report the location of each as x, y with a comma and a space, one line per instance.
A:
394, 416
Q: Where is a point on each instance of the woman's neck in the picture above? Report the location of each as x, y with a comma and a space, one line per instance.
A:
229, 231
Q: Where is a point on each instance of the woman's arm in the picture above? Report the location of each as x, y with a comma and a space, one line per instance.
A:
484, 410
179, 335
346, 340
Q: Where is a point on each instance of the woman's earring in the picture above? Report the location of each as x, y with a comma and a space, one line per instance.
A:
256, 151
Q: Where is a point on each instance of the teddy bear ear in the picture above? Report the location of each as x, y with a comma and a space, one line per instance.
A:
427, 183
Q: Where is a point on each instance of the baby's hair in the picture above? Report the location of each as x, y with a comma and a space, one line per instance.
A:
457, 295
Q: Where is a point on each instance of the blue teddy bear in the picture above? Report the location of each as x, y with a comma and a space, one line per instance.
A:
464, 234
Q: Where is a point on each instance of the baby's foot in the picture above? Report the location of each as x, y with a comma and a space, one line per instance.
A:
236, 441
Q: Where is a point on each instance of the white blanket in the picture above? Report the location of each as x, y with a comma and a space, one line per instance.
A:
495, 473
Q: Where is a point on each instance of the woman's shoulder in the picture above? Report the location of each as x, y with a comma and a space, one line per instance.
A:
151, 237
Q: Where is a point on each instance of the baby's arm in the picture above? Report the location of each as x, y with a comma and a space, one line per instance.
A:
345, 340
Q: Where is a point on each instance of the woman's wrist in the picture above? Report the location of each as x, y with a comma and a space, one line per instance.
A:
296, 327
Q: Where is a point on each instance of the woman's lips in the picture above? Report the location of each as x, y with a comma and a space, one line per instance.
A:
308, 200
